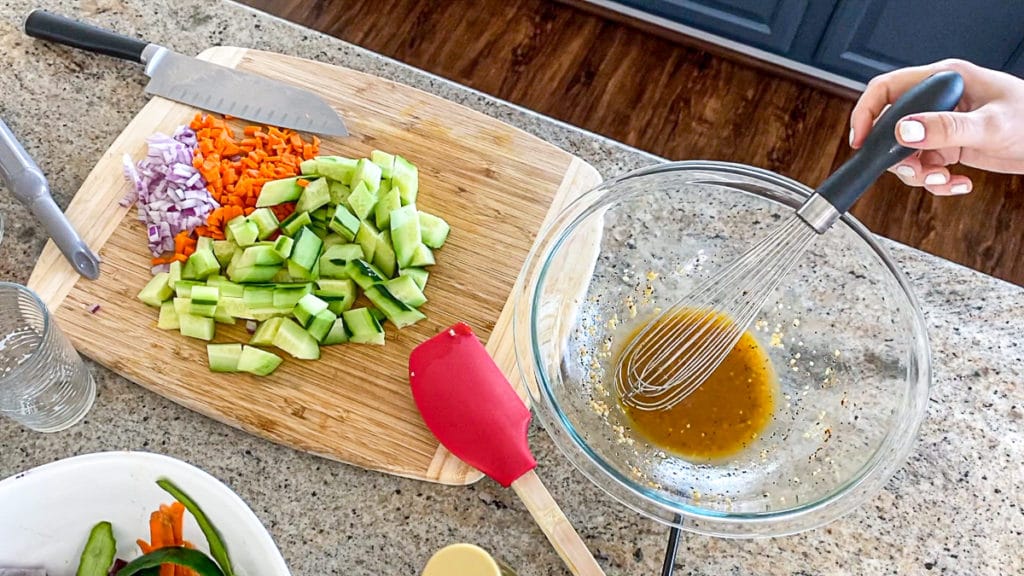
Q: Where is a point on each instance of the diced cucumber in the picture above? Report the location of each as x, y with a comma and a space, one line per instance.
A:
252, 274
283, 277
188, 271
297, 273
181, 305
418, 275
259, 296
196, 326
380, 316
319, 228
307, 307
421, 257
321, 214
308, 167
387, 202
204, 310
336, 168
223, 357
204, 243
405, 176
228, 289
183, 289
339, 192
223, 250
205, 294
405, 289
258, 362
340, 295
294, 340
287, 296
405, 233
332, 240
334, 259
265, 221
344, 223
364, 273
279, 191
433, 230
306, 251
363, 327
244, 230
222, 316
174, 273
321, 324
283, 246
292, 224
234, 307
259, 256
362, 200
157, 290
396, 311
385, 161
168, 317
203, 264
264, 334
315, 195
337, 334
384, 255
367, 239
368, 173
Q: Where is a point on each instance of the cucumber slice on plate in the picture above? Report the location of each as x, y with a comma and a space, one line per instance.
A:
363, 327
223, 357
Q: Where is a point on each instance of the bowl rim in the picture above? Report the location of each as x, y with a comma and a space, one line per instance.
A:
886, 459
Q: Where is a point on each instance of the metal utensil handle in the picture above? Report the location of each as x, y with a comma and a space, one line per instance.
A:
56, 28
668, 567
938, 93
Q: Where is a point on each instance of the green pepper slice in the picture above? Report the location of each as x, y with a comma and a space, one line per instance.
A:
98, 554
213, 538
195, 560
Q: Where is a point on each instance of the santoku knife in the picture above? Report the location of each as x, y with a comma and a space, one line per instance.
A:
196, 82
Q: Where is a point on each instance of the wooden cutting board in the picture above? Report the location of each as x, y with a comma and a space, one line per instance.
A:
494, 184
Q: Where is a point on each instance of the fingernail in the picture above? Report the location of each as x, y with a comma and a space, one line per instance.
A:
851, 136
959, 189
905, 171
935, 179
911, 131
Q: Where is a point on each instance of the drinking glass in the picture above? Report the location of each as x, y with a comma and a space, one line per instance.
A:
44, 385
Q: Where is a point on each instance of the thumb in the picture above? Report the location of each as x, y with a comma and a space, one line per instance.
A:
934, 130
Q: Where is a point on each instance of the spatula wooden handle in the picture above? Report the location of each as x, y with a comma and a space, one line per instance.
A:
555, 525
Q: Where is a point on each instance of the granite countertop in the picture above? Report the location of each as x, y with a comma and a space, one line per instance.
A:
956, 507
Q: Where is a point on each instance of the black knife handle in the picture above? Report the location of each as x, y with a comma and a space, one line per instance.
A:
56, 28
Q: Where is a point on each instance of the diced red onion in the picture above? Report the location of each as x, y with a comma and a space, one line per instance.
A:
250, 326
94, 308
169, 192
160, 268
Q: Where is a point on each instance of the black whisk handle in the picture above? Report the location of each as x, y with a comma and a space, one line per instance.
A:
938, 93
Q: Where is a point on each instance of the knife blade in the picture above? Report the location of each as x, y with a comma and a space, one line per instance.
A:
196, 82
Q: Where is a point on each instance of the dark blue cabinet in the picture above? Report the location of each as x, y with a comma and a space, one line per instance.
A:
868, 37
859, 39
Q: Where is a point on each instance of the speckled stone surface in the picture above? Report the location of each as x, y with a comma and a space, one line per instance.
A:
956, 507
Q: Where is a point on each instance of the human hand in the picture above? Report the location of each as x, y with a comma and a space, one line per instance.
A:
985, 131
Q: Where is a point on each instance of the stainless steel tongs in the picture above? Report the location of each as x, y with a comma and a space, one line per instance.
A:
26, 181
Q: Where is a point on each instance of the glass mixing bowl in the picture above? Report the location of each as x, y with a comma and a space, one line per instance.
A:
843, 331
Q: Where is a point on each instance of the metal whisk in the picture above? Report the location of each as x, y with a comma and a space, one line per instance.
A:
675, 352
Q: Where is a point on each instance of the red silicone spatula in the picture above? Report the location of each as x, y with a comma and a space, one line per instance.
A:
476, 414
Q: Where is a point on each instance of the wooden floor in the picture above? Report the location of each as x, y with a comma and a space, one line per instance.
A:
676, 101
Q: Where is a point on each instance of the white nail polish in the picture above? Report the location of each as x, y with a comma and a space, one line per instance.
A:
911, 131
959, 189
905, 171
851, 135
935, 179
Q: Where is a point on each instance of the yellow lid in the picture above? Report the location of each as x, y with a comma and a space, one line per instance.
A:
461, 560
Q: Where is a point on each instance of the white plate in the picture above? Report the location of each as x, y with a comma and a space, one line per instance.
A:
46, 513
